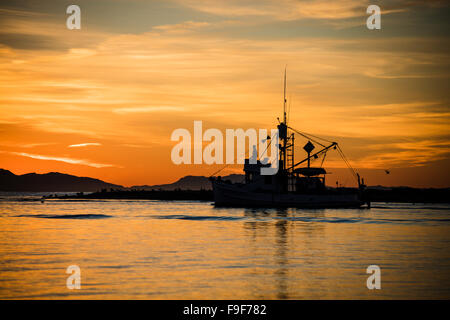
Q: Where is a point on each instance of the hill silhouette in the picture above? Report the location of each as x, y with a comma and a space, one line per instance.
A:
50, 182
186, 188
190, 183
61, 182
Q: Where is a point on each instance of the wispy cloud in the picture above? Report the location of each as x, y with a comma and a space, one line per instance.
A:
285, 10
84, 145
281, 9
225, 68
414, 153
62, 159
148, 109
181, 27
25, 145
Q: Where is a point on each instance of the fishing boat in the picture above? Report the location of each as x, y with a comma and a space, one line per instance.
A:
296, 184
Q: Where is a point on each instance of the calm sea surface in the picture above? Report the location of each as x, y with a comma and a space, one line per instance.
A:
191, 250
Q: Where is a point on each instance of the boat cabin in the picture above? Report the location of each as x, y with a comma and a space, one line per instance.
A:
301, 180
309, 179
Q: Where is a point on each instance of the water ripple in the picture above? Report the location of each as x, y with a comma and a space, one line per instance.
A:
66, 216
185, 217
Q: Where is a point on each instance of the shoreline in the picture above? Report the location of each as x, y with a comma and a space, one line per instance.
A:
401, 194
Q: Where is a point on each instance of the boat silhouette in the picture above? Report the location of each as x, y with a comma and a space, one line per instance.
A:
293, 185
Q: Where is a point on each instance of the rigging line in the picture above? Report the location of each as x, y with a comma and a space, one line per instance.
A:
289, 109
347, 163
306, 136
351, 172
323, 159
346, 160
318, 137
268, 145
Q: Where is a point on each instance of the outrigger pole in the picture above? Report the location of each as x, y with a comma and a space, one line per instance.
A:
325, 149
313, 155
283, 126
284, 99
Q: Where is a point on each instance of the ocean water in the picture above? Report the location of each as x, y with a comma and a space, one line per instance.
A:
191, 250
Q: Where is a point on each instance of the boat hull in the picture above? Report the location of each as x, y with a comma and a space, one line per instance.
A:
230, 195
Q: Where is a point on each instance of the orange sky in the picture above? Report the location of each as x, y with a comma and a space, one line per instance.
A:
103, 101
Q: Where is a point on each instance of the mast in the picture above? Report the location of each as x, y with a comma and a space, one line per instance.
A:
284, 124
282, 131
284, 99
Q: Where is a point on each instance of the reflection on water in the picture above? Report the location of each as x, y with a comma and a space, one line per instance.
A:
281, 259
188, 249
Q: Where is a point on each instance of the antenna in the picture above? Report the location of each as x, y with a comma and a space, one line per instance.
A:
284, 100
289, 108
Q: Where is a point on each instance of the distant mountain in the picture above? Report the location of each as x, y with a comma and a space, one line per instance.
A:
50, 182
60, 182
190, 183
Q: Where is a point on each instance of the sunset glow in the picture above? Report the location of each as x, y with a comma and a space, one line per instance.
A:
103, 101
